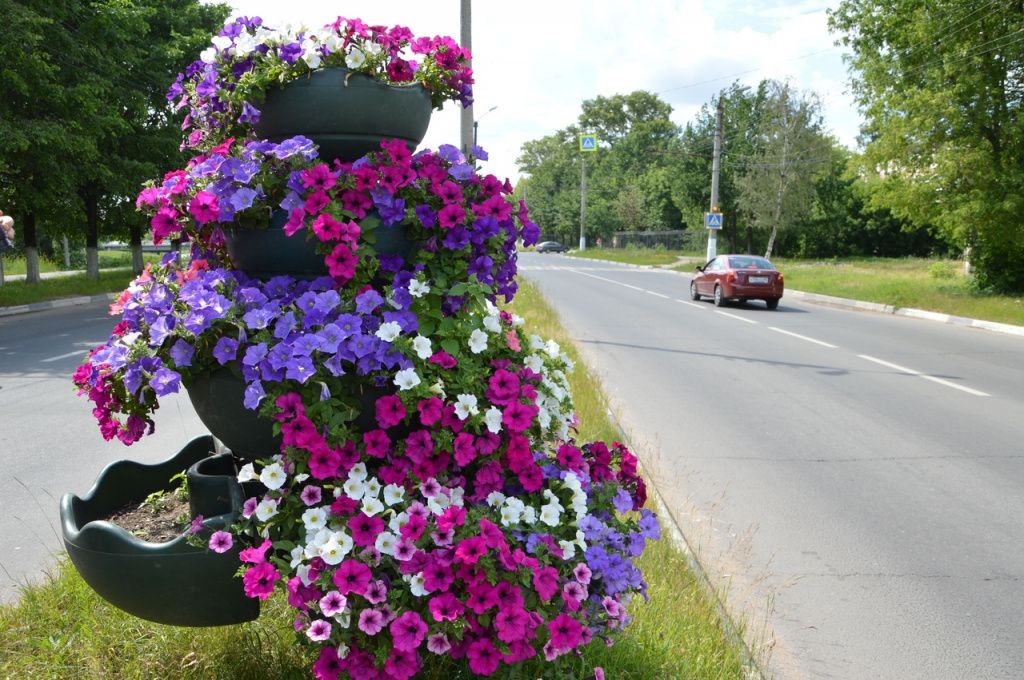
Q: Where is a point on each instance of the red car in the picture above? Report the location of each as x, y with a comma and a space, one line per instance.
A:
738, 277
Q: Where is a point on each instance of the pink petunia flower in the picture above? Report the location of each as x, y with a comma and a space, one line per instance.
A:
402, 664
545, 582
319, 631
390, 411
204, 207
446, 607
333, 603
438, 643
220, 541
371, 621
365, 528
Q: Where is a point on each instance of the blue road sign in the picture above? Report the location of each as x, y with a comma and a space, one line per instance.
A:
713, 220
588, 142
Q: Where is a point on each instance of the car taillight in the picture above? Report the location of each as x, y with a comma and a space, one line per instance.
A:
732, 277
780, 277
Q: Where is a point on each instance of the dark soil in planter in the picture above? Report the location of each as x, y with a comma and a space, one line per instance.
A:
156, 521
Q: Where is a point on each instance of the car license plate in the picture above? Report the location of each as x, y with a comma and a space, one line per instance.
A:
758, 279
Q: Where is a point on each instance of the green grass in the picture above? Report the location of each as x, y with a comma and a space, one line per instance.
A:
648, 256
60, 629
14, 293
917, 283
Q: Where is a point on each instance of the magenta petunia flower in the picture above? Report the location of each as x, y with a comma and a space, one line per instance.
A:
327, 228
483, 657
352, 576
328, 666
446, 607
565, 631
408, 631
259, 580
518, 416
204, 207
545, 582
511, 624
402, 664
319, 177
221, 541
451, 215
376, 592
311, 495
390, 411
470, 550
365, 528
430, 410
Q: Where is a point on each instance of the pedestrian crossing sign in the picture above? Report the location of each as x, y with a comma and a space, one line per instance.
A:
713, 220
588, 142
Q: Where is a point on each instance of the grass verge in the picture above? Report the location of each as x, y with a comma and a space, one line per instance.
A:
60, 629
648, 256
14, 293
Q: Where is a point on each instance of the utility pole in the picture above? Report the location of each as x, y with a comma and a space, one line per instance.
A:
583, 204
716, 168
466, 40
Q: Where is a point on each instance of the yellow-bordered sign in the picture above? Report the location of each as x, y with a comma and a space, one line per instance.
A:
588, 142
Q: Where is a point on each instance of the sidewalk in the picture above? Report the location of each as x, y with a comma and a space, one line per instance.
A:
52, 304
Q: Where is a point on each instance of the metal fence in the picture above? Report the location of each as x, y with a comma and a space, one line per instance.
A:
687, 240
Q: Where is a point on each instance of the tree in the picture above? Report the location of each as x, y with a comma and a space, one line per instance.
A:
777, 187
85, 108
939, 85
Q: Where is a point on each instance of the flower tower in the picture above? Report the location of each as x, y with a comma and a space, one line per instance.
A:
418, 490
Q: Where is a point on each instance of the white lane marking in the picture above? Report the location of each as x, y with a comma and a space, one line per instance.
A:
651, 292
911, 371
802, 337
733, 316
693, 304
65, 356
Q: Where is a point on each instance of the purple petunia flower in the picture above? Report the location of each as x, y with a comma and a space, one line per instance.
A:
165, 381
226, 350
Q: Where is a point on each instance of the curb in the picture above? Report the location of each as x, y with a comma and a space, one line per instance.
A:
816, 298
54, 304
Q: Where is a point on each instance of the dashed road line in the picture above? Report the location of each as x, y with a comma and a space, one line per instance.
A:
803, 337
910, 371
733, 316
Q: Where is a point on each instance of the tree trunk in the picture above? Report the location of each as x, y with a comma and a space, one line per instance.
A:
750, 239
135, 241
28, 226
92, 262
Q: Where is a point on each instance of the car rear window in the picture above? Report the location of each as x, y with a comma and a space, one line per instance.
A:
750, 263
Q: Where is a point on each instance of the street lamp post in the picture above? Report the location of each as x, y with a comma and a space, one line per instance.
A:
477, 122
716, 166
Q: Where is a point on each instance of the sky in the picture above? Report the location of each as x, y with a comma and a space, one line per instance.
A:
536, 61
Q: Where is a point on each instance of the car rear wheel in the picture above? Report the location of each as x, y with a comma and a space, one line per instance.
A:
719, 298
772, 303
694, 295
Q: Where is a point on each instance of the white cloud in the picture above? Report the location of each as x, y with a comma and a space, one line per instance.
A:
537, 60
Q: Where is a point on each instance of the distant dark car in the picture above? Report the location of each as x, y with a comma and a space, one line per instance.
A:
551, 247
738, 277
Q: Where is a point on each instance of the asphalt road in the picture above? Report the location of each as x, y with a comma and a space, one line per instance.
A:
49, 441
857, 477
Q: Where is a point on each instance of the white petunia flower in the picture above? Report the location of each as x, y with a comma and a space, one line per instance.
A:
477, 341
422, 347
372, 506
355, 58
209, 55
466, 406
550, 515
492, 324
354, 488
266, 509
438, 388
552, 348
273, 476
535, 363
385, 542
398, 521
247, 474
407, 379
372, 488
536, 342
418, 289
388, 331
358, 471
517, 320
417, 585
314, 519
393, 494
495, 498
302, 571
529, 515
493, 419
568, 549
334, 550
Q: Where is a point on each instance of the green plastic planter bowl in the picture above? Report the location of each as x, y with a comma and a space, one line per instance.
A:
346, 115
172, 583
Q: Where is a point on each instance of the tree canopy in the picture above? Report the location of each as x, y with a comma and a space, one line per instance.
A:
940, 86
